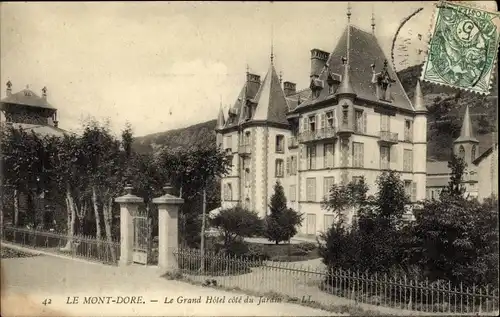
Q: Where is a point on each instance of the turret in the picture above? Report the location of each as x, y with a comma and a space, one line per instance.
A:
465, 146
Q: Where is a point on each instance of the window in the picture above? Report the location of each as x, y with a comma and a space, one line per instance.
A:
345, 117
408, 130
228, 192
357, 154
357, 179
408, 188
385, 158
327, 185
461, 152
360, 121
311, 157
328, 222
293, 193
385, 123
407, 160
311, 189
279, 168
280, 144
328, 155
311, 224
228, 142
247, 177
473, 153
247, 138
291, 165
312, 123
330, 121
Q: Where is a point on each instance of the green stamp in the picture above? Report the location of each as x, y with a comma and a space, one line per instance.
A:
463, 48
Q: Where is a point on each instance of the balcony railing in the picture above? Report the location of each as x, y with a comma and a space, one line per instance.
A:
244, 149
388, 137
320, 134
293, 142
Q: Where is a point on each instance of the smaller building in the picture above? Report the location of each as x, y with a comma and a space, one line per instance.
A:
30, 112
27, 111
480, 178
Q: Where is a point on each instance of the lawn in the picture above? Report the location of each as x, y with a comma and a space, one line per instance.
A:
286, 252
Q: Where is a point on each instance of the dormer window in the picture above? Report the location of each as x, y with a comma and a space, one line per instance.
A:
27, 93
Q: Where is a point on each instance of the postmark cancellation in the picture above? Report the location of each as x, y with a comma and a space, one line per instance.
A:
463, 47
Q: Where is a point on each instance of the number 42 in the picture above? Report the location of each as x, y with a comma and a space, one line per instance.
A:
47, 301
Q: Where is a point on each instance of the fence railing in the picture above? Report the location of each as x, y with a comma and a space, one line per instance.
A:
341, 287
80, 246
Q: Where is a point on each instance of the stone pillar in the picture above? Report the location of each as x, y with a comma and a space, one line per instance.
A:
128, 208
168, 241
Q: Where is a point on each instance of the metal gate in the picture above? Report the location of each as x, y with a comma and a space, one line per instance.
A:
142, 239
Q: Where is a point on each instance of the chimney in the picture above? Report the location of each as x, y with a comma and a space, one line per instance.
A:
253, 85
44, 93
318, 61
289, 88
9, 88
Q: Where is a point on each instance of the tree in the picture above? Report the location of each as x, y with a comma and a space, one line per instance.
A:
282, 222
191, 170
373, 242
344, 197
457, 240
237, 222
455, 188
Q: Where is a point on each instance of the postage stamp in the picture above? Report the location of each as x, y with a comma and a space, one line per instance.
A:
462, 48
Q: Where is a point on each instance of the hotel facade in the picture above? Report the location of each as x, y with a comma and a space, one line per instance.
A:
354, 120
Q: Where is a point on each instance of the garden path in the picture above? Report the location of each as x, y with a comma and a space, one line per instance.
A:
27, 282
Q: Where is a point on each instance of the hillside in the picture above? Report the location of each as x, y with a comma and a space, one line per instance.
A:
201, 133
446, 107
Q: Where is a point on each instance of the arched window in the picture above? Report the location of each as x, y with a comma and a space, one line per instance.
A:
473, 153
461, 152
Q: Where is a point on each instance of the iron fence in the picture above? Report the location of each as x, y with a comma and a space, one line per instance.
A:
78, 246
338, 287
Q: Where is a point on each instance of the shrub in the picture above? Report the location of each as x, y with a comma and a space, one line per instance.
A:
237, 223
307, 246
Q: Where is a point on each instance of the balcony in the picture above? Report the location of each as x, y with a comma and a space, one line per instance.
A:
320, 134
293, 142
345, 130
244, 150
388, 137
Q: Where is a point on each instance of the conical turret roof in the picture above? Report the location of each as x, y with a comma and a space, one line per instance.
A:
466, 134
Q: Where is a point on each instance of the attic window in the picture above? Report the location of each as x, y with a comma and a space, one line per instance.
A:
27, 93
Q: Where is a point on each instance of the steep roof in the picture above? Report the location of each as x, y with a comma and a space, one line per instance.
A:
27, 97
466, 134
364, 50
220, 119
293, 99
236, 109
43, 130
271, 101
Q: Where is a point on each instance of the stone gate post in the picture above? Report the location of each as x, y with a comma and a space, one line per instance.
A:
168, 212
129, 204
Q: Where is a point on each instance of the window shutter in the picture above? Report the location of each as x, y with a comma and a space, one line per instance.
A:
361, 155
413, 191
313, 157
288, 166
364, 122
323, 121
306, 124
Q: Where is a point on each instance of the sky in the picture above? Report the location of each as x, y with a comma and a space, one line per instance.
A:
167, 65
